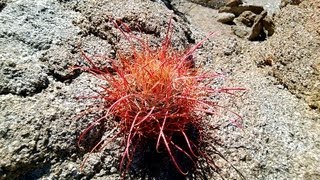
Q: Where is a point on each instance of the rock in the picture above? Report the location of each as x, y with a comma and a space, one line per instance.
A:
240, 9
296, 48
113, 170
233, 3
38, 134
59, 66
246, 18
38, 44
240, 31
246, 15
257, 27
292, 2
268, 26
225, 18
316, 68
24, 79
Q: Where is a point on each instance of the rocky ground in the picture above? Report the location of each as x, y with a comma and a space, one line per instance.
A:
41, 40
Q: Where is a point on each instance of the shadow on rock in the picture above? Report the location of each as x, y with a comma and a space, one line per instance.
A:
147, 163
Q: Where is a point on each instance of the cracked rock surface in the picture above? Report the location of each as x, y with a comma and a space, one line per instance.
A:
40, 41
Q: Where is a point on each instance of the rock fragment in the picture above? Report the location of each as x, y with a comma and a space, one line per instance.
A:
240, 31
237, 10
257, 27
233, 3
226, 18
268, 26
246, 18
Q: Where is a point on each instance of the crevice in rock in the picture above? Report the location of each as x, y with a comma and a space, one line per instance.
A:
171, 6
66, 78
36, 172
188, 35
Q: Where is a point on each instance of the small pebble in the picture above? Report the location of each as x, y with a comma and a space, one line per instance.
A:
113, 170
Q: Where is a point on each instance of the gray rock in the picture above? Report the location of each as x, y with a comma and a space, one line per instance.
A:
113, 170
38, 27
26, 31
60, 67
38, 132
225, 17
26, 79
39, 44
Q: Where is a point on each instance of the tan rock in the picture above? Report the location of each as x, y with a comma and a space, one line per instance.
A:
237, 10
268, 25
246, 18
257, 27
240, 31
225, 17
